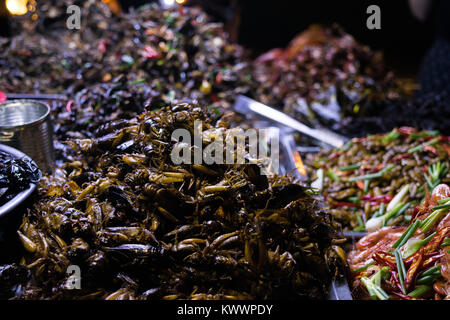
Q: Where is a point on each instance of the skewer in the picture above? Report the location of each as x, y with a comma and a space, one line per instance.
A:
36, 96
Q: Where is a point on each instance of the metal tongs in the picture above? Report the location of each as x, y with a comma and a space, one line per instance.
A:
246, 106
292, 161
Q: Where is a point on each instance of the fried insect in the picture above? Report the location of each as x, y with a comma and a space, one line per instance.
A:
15, 176
135, 235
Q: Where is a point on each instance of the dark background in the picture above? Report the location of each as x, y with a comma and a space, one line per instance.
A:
403, 40
264, 24
260, 25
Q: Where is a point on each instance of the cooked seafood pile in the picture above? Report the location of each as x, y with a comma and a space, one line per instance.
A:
408, 262
378, 180
323, 76
425, 111
15, 176
140, 227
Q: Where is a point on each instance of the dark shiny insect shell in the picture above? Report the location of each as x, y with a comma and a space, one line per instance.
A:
137, 223
15, 176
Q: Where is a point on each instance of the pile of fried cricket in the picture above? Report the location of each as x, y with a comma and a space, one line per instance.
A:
140, 227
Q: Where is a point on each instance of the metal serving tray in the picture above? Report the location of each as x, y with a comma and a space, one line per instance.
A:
292, 154
339, 288
19, 198
290, 157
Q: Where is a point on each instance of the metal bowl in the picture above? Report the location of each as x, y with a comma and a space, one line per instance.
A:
20, 197
27, 126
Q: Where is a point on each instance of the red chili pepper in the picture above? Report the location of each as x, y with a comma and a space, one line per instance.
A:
213, 97
270, 56
69, 106
102, 45
377, 199
24, 53
2, 96
431, 260
385, 259
344, 204
406, 297
151, 53
406, 130
402, 156
334, 155
360, 184
435, 242
219, 77
413, 258
414, 214
413, 270
447, 148
439, 288
395, 280
430, 149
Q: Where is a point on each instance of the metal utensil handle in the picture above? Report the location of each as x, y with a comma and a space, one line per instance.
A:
244, 105
288, 144
38, 96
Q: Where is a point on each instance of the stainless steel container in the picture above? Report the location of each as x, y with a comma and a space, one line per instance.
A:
26, 125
